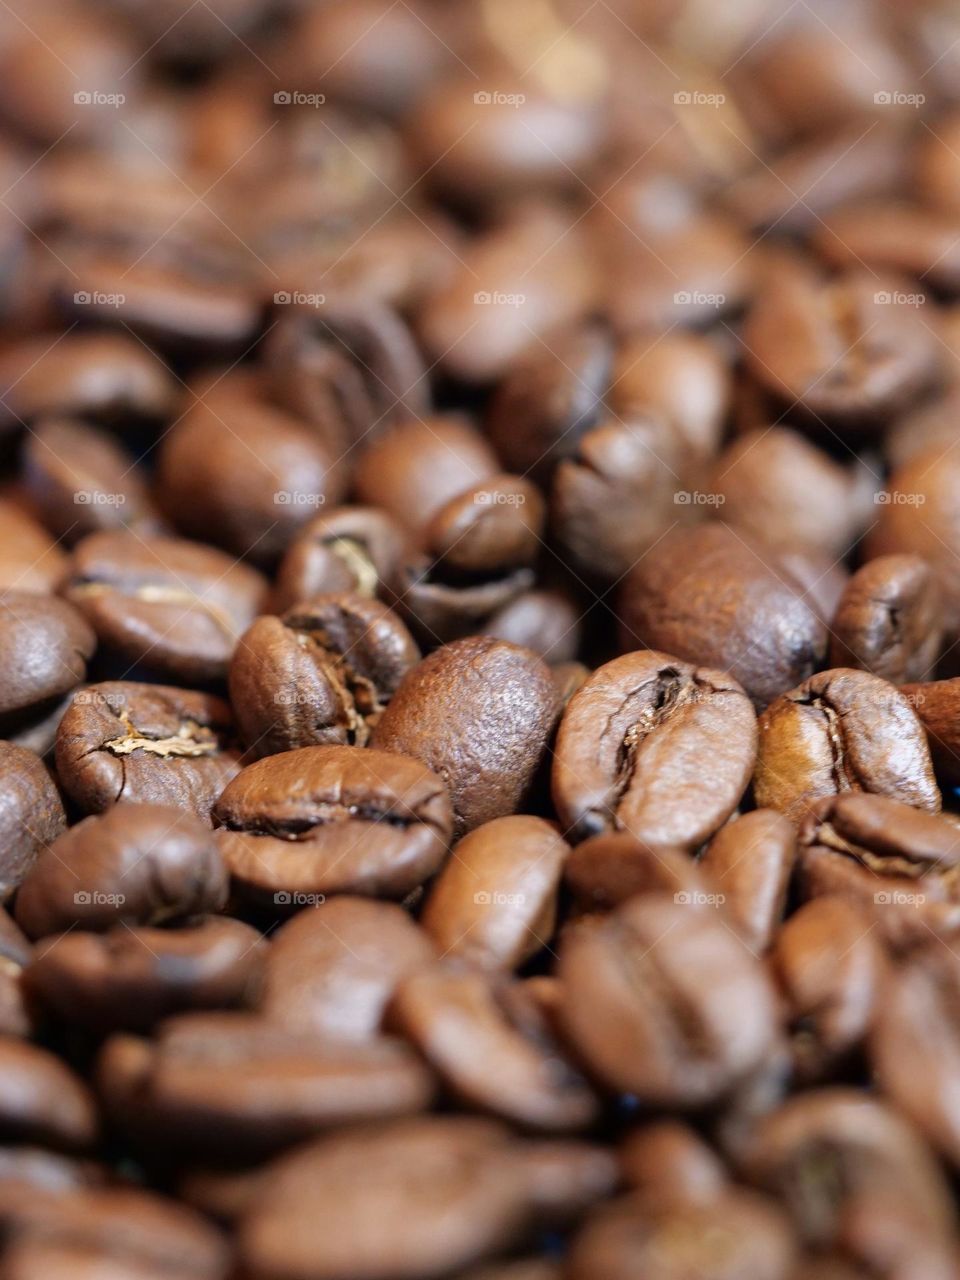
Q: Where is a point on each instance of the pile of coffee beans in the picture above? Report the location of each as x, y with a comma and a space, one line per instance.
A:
479, 640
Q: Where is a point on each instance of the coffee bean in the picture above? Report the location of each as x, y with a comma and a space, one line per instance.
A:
636, 742
137, 864
31, 815
937, 703
172, 606
713, 597
750, 862
45, 645
605, 870
440, 611
888, 620
121, 742
896, 237
479, 712
356, 549
332, 820
319, 676
41, 1100
494, 904
548, 622
840, 731
667, 1158
132, 978
29, 559
332, 970
635, 1003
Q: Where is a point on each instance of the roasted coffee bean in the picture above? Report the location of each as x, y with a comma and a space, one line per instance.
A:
921, 517
667, 1159
126, 743
312, 1218
333, 820
413, 470
29, 559
319, 676
41, 1100
636, 742
890, 236
711, 596
490, 527
937, 703
440, 611
333, 969
840, 731
45, 645
233, 1082
548, 622
846, 352
82, 481
130, 979
491, 1048
638, 1007
750, 862
168, 605
136, 864
737, 1236
479, 712
15, 947
495, 902
566, 1177
31, 813
889, 620
356, 549
831, 971
605, 870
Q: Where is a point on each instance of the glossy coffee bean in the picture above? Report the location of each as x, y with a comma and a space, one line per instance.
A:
42, 1100
125, 743
494, 904
332, 969
168, 605
636, 742
29, 558
356, 549
319, 676
480, 713
31, 813
629, 976
548, 622
333, 820
45, 645
889, 620
132, 978
711, 596
750, 862
842, 730
605, 870
667, 1158
937, 703
137, 864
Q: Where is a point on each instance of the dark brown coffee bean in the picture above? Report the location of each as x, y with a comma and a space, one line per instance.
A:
356, 549
605, 870
319, 676
126, 743
548, 622
31, 814
172, 606
332, 970
842, 730
937, 703
712, 597
29, 559
440, 611
131, 978
888, 620
82, 481
41, 1100
45, 645
490, 1048
843, 351
490, 527
479, 712
636, 743
312, 1220
750, 861
494, 904
214, 1082
637, 1004
137, 864
333, 820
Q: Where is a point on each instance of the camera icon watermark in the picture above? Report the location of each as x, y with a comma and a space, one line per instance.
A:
697, 298
895, 298
484, 298
697, 498
94, 898
494, 98
495, 498
898, 898
493, 899
94, 98
694, 98
896, 498
694, 898
297, 899
96, 298
297, 298
297, 98
291, 498
94, 498
896, 98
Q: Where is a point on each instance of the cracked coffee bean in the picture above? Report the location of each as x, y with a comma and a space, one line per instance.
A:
889, 620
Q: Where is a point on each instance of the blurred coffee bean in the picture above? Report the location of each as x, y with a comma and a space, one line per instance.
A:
31, 814
42, 1100
548, 622
750, 862
937, 703
666, 1158
357, 549
45, 645
29, 558
605, 870
902, 239
888, 620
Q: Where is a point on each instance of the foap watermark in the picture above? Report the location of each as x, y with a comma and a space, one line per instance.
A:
897, 98
297, 298
94, 898
897, 498
296, 899
485, 899
497, 498
290, 498
496, 299
287, 698
694, 898
697, 298
95, 298
95, 498
93, 698
696, 498
95, 98
496, 98
899, 898
697, 98
297, 98
895, 298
